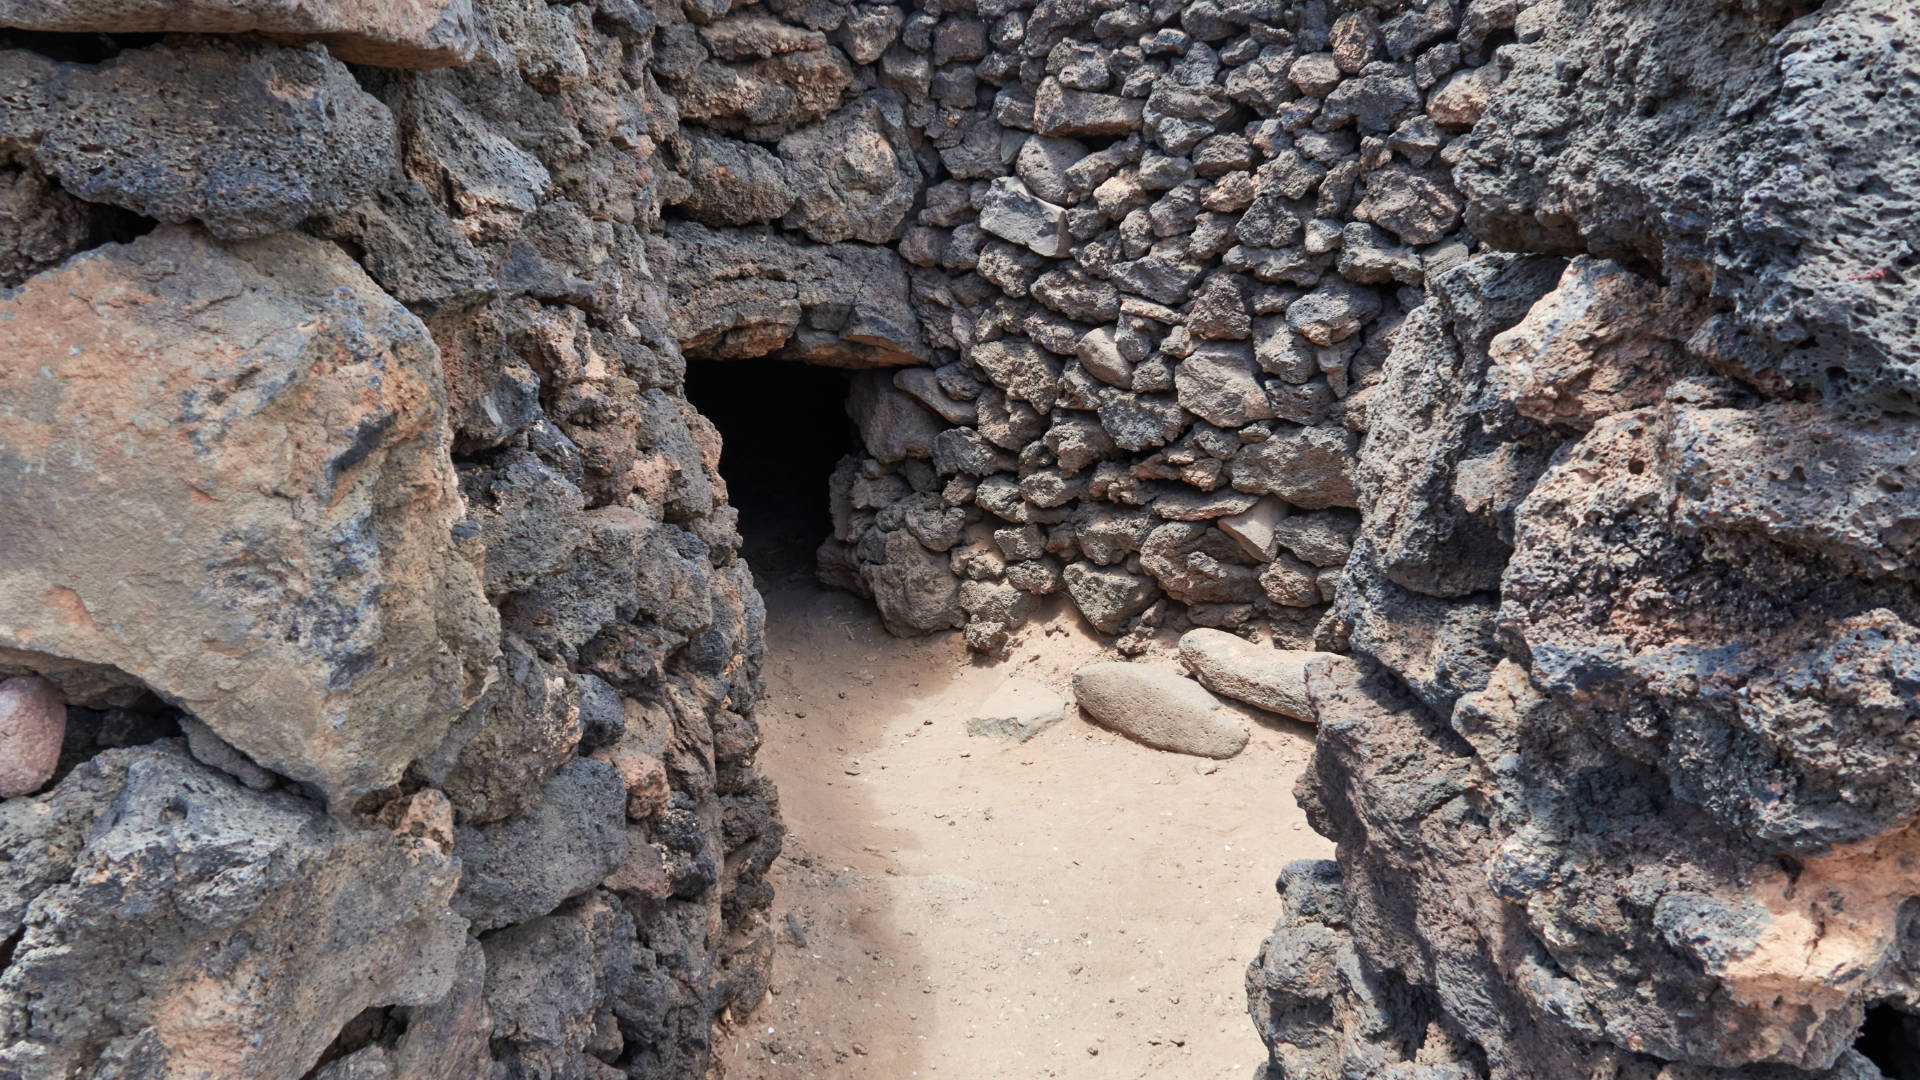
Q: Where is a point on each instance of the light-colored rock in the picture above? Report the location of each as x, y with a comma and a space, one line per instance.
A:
33, 720
1021, 368
1099, 353
893, 424
1059, 111
854, 176
1257, 528
1310, 467
1604, 341
1017, 709
1262, 676
1220, 384
1108, 595
1014, 214
1457, 103
925, 387
250, 507
1159, 708
385, 33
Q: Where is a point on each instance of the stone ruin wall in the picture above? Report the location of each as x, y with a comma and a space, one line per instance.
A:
1553, 360
341, 433
1145, 265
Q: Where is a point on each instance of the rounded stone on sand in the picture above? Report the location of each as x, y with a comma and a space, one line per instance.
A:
1158, 708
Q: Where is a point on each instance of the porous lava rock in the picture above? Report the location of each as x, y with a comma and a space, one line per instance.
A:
389, 33
1631, 619
266, 429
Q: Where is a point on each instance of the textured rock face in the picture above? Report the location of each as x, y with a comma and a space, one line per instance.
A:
1555, 360
163, 131
1618, 769
223, 911
393, 33
371, 474
264, 427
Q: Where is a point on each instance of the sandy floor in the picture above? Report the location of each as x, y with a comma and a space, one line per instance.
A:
1074, 906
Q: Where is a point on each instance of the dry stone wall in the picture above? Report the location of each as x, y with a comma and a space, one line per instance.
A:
378, 668
1118, 280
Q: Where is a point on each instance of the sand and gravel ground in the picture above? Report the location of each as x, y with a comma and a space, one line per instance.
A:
951, 906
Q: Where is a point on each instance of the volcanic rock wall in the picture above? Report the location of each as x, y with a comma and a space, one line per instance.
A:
1555, 360
1622, 767
1141, 267
354, 527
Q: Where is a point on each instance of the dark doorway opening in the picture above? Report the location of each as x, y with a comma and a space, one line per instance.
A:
1891, 1040
783, 427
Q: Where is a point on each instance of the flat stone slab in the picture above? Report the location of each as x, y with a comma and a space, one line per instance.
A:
1018, 709
1266, 678
387, 33
1159, 708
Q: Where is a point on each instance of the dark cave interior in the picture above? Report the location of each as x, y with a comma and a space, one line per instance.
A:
783, 427
1891, 1040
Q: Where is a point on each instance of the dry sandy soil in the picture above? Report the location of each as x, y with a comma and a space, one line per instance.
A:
951, 906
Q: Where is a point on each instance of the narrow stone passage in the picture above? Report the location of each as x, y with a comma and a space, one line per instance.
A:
779, 446
1073, 906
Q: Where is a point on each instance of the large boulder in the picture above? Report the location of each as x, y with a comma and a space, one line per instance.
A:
248, 139
235, 460
387, 33
1158, 708
193, 915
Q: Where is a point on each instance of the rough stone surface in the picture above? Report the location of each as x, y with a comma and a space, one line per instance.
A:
1158, 708
223, 911
1553, 360
1266, 678
246, 139
572, 836
33, 721
1628, 601
301, 580
252, 499
389, 33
